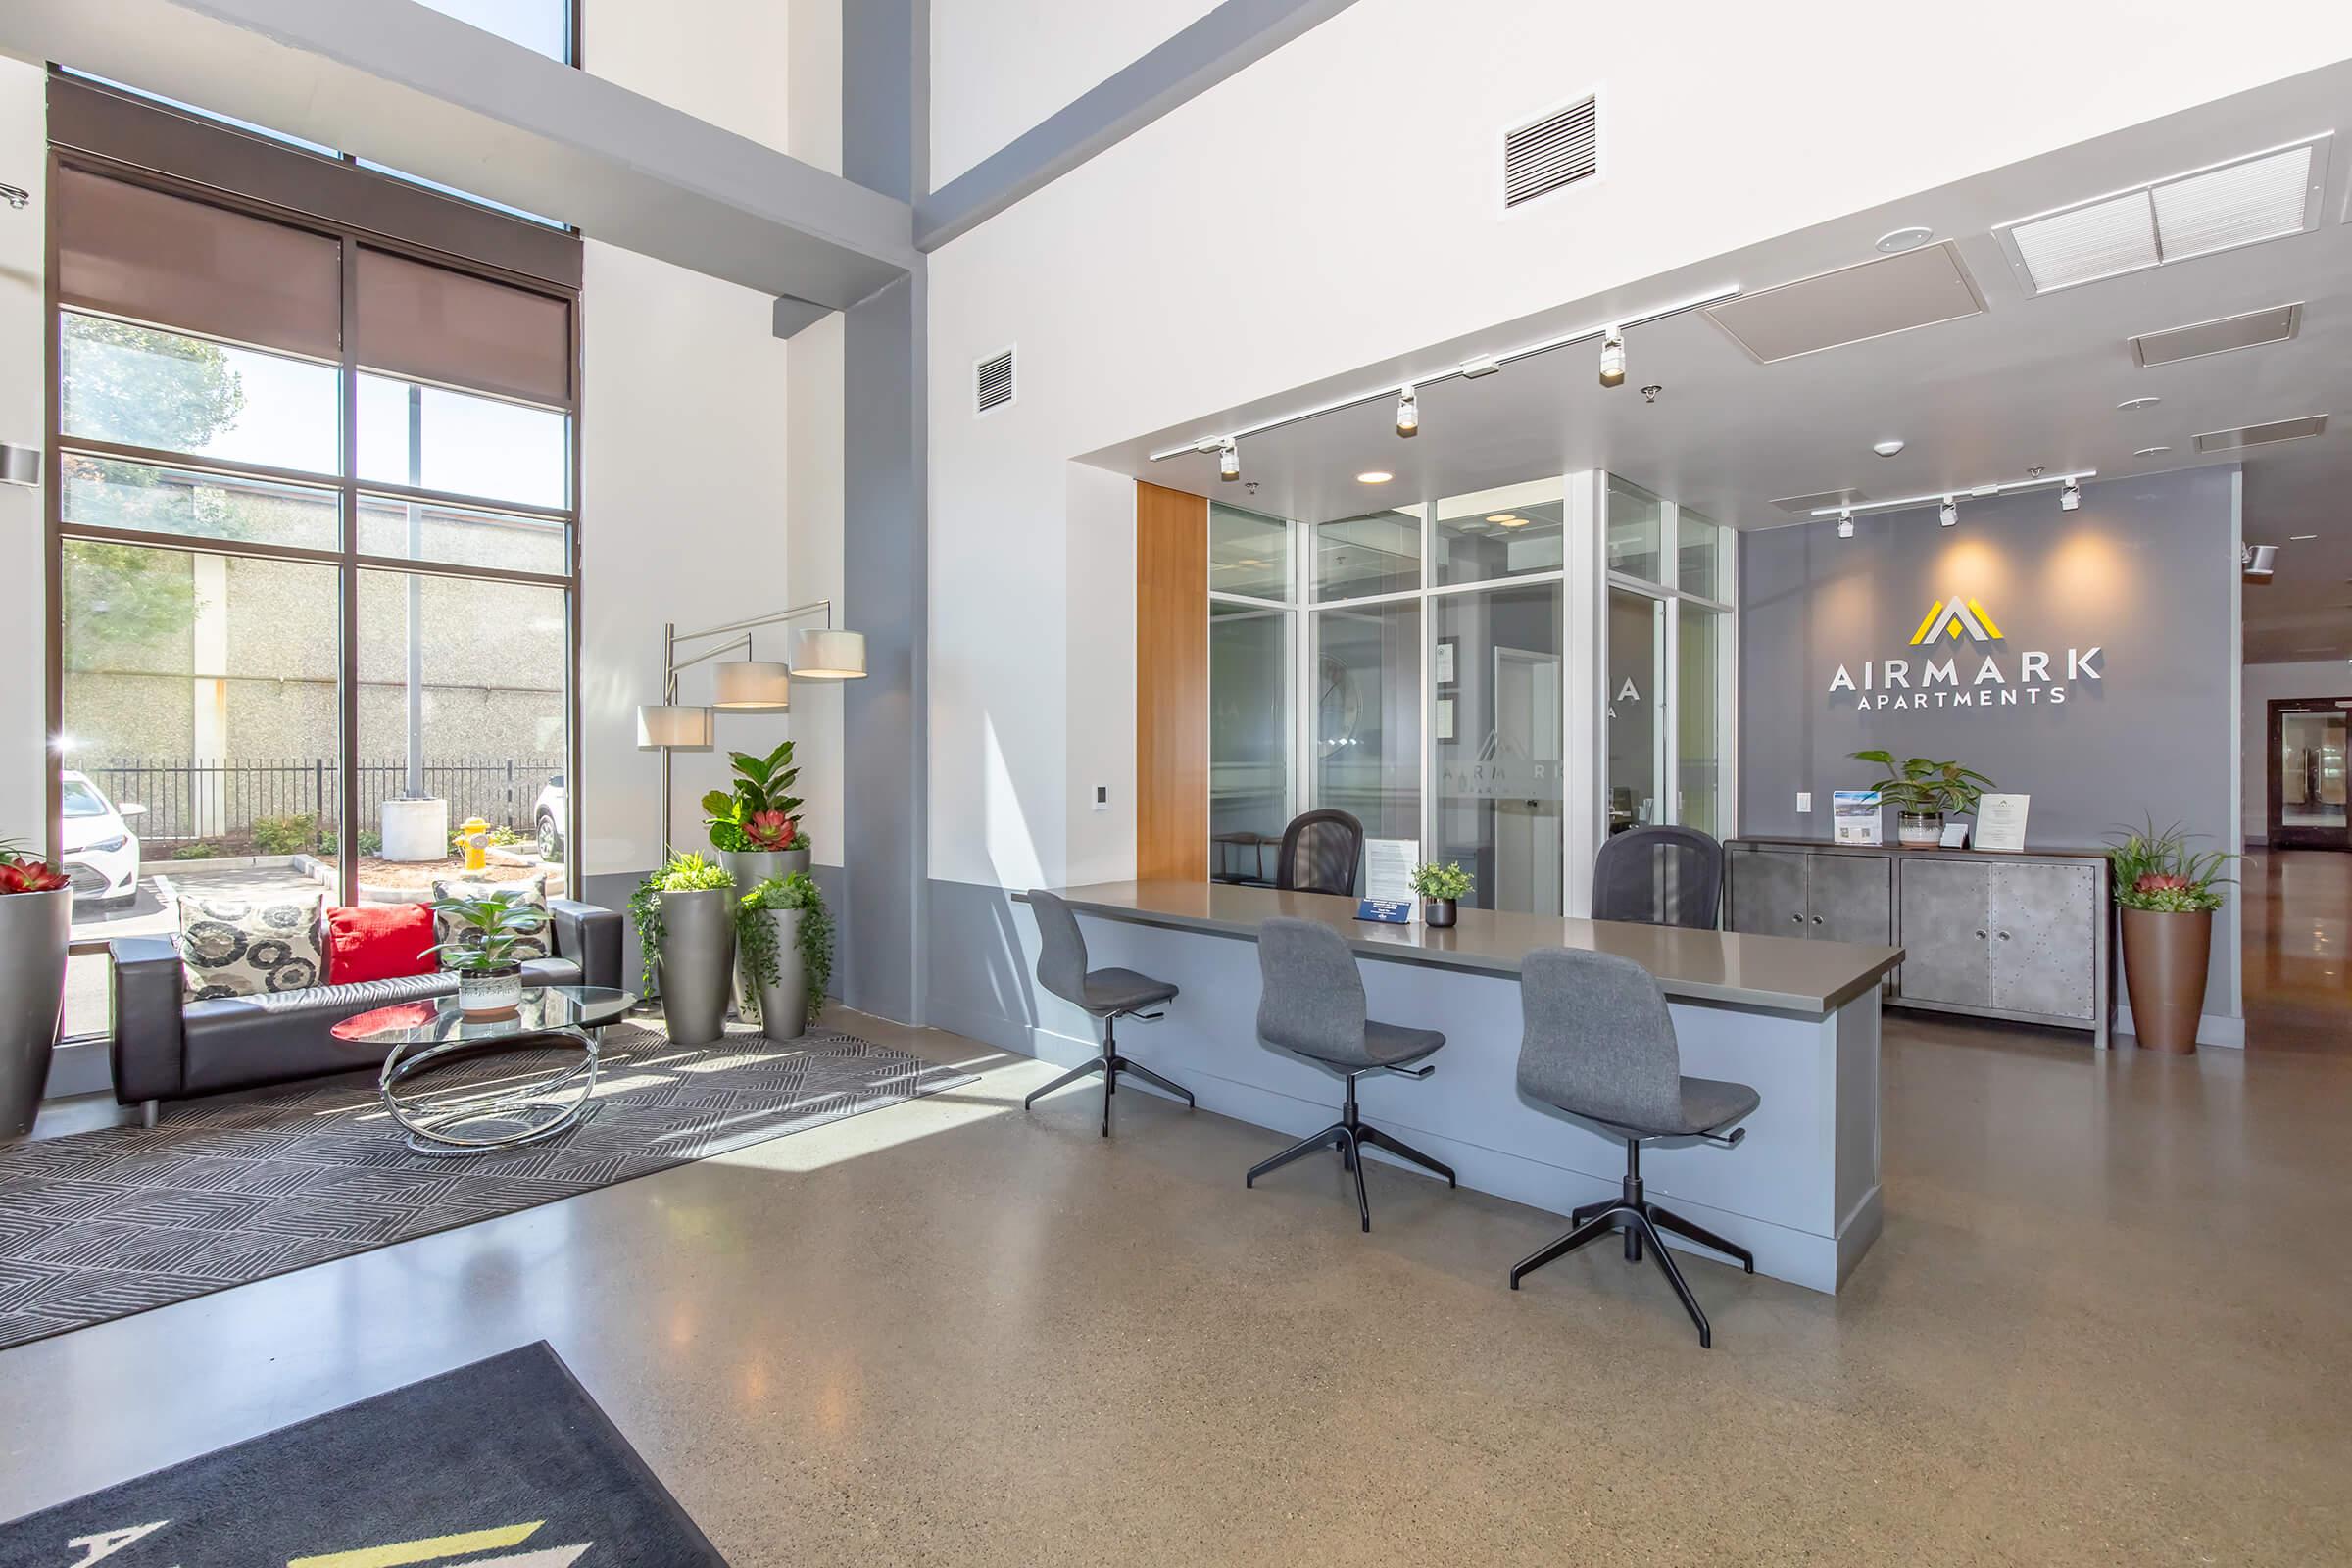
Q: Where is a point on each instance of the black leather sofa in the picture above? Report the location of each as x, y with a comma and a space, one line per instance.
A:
168, 1049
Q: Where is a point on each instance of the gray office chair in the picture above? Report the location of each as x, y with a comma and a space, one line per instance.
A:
1601, 1045
1105, 993
1313, 1005
1660, 876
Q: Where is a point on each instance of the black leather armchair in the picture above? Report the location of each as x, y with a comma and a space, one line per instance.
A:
168, 1049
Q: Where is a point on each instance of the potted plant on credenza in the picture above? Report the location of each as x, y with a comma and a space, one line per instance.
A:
36, 918
755, 825
2165, 894
685, 916
1923, 792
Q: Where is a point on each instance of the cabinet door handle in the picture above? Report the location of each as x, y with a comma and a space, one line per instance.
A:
1980, 936
2004, 936
1817, 919
1796, 920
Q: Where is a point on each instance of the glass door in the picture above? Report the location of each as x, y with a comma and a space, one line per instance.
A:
2308, 774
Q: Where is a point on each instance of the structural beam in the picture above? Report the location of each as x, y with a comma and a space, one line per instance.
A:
402, 84
1235, 34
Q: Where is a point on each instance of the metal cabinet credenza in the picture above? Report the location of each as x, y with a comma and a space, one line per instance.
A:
2024, 936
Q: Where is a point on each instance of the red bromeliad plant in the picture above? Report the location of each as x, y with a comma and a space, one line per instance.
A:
22, 873
770, 830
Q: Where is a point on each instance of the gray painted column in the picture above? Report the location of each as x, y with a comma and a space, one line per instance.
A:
886, 521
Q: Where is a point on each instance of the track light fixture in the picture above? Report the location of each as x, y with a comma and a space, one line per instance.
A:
2070, 497
1949, 513
1612, 358
1408, 414
1229, 459
1846, 526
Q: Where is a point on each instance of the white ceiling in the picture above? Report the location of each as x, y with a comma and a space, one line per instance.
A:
2034, 380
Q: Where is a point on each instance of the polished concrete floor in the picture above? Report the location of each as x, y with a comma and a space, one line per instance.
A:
2296, 912
2107, 1324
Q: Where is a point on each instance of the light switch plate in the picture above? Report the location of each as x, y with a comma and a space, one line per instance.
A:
1804, 801
1102, 797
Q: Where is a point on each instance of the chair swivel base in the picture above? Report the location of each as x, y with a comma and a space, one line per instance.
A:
1110, 1064
1640, 1220
1350, 1135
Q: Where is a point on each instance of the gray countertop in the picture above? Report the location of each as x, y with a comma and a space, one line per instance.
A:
1784, 974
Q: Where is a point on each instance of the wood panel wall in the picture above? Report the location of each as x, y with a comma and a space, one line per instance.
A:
1171, 684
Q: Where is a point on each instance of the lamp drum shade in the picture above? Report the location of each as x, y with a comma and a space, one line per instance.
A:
659, 726
752, 684
825, 653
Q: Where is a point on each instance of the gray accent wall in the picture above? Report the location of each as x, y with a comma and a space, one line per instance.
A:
2146, 572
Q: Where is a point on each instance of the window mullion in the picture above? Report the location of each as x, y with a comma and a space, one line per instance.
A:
348, 631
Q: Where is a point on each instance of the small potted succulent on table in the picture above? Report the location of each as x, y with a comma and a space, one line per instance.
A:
2167, 893
484, 932
36, 916
1441, 889
1924, 792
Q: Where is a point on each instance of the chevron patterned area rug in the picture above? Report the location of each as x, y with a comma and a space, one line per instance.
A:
103, 1224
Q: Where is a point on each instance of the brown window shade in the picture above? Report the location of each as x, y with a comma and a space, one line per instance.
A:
169, 261
427, 323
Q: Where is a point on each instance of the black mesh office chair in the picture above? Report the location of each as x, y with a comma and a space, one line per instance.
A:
1321, 851
1660, 876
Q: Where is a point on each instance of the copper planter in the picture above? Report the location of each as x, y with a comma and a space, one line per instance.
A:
2165, 956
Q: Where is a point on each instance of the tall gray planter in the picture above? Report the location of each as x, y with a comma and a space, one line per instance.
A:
696, 962
34, 927
784, 1003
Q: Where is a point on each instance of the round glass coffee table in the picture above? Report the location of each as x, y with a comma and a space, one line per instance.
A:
431, 1036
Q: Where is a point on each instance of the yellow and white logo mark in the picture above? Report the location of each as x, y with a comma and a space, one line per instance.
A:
1956, 615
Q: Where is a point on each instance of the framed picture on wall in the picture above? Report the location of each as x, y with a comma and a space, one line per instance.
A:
1443, 663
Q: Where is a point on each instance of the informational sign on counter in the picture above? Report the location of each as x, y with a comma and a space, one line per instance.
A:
1854, 817
1389, 881
2001, 822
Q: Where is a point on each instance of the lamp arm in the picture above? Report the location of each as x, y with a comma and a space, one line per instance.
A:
825, 605
744, 642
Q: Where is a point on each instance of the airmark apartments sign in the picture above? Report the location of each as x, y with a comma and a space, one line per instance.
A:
1937, 677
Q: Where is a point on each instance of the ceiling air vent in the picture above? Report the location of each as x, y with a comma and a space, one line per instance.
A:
2261, 435
1872, 299
991, 382
1557, 150
1806, 506
2263, 196
2274, 326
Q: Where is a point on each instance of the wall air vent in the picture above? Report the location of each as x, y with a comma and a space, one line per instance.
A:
1852, 305
1557, 150
2263, 196
2262, 435
2274, 326
1806, 506
991, 382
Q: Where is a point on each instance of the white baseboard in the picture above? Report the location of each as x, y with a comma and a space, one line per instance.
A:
2212, 1028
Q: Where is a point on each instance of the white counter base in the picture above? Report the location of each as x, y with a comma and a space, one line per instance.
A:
1801, 1190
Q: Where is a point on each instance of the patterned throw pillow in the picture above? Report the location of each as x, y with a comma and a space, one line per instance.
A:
538, 945
231, 946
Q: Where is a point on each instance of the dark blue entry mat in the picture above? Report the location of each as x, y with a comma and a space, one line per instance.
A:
507, 1463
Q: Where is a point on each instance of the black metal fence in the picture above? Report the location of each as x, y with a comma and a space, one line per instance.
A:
277, 805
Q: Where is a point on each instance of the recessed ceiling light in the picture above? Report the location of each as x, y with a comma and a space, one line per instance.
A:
2148, 452
1904, 239
1499, 517
1374, 476
1888, 448
1517, 522
2140, 403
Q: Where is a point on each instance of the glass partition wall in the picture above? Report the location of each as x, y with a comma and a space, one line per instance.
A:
1411, 666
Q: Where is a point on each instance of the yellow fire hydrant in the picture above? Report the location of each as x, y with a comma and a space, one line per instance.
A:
477, 843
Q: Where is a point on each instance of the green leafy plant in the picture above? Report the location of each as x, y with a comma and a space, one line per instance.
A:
1924, 787
486, 930
287, 835
196, 849
760, 811
370, 841
1448, 881
684, 874
756, 936
497, 836
2155, 870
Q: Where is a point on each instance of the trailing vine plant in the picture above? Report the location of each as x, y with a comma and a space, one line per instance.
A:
756, 936
685, 873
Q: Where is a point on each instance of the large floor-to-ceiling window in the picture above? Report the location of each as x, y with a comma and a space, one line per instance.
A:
313, 543
1410, 668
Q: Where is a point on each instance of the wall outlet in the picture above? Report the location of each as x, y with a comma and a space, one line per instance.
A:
1804, 801
1102, 797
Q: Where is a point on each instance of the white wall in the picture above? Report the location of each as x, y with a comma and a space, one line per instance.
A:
723, 61
1283, 227
2317, 677
999, 66
24, 138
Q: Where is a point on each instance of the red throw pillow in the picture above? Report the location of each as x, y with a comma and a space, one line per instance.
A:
379, 942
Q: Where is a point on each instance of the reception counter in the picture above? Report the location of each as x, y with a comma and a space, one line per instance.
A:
1796, 1019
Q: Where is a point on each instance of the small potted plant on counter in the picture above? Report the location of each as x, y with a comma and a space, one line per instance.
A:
2166, 895
785, 936
36, 916
1441, 889
686, 935
1924, 792
480, 949
756, 826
